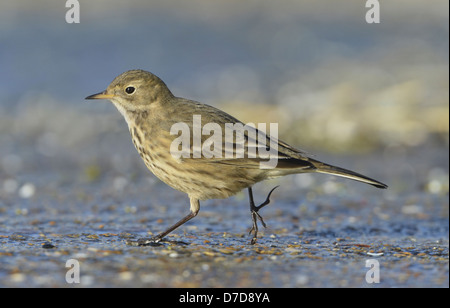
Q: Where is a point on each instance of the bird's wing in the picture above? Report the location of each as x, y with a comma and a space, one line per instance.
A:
222, 139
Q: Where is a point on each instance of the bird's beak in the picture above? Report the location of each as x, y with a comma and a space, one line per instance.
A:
101, 95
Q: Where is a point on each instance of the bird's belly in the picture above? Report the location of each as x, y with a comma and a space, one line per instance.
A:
199, 178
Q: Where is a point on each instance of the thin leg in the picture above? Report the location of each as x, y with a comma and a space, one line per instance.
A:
255, 215
195, 208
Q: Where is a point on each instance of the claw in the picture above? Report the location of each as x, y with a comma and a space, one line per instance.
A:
255, 215
145, 242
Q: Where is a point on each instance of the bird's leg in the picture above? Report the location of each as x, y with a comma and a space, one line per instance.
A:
255, 215
154, 241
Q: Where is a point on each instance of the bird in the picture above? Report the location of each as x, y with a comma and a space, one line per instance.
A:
152, 111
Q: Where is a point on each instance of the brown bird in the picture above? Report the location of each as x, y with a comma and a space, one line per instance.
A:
224, 168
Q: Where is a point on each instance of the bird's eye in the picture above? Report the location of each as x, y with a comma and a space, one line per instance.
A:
130, 90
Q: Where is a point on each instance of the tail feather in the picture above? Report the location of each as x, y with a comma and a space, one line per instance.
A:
329, 169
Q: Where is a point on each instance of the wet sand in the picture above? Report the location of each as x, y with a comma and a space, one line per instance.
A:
319, 235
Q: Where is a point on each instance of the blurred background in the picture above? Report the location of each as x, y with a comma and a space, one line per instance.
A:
334, 83
373, 98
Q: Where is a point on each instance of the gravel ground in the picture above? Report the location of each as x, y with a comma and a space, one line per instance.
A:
372, 98
321, 232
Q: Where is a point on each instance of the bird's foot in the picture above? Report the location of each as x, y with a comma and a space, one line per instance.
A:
254, 229
152, 241
255, 215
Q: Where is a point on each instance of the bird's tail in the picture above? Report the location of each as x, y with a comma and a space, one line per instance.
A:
329, 169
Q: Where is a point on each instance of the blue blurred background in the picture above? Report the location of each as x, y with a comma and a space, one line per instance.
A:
334, 83
373, 98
